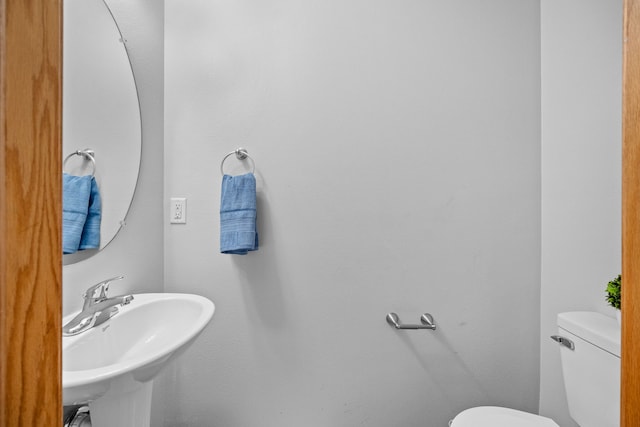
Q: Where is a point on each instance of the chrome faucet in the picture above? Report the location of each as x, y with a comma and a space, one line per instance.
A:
96, 309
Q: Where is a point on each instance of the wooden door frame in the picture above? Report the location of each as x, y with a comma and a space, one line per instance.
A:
30, 213
630, 376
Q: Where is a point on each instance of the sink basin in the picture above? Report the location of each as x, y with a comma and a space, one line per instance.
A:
112, 366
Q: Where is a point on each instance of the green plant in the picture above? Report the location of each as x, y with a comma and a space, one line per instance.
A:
613, 292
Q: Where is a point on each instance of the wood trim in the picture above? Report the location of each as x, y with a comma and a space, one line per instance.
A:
630, 375
30, 213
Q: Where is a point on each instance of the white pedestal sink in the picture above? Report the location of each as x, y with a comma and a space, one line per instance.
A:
111, 367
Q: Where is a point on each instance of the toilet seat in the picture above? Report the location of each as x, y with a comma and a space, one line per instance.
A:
494, 416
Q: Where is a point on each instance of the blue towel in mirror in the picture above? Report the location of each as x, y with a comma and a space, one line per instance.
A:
81, 207
238, 232
91, 231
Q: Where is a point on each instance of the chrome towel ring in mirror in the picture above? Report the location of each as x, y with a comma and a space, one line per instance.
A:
241, 154
87, 153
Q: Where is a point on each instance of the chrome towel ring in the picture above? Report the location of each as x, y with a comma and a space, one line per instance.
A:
241, 154
87, 153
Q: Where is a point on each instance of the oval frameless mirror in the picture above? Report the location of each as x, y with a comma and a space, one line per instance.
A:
101, 112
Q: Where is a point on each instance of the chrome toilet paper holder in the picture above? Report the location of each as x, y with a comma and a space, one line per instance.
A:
426, 320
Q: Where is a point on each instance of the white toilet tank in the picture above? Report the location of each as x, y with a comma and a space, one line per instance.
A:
591, 370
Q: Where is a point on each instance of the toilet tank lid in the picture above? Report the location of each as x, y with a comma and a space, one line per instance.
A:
596, 328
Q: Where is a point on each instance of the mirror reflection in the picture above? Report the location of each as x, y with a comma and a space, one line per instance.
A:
101, 115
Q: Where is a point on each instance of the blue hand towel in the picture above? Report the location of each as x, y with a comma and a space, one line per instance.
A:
91, 232
238, 233
76, 191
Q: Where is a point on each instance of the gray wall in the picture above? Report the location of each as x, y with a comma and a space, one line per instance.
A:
397, 147
581, 156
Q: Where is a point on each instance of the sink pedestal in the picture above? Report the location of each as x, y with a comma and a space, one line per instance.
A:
129, 408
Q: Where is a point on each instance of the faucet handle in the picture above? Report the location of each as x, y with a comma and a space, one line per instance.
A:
100, 289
